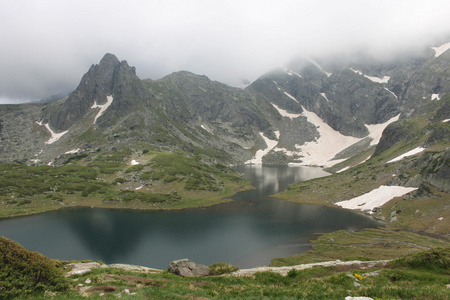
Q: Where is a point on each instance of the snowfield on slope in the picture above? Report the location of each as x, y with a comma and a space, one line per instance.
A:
441, 49
375, 198
331, 142
103, 107
257, 160
409, 153
54, 136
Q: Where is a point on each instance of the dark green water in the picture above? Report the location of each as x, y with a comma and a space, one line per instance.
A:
247, 232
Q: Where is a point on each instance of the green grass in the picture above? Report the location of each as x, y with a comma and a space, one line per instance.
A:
367, 244
106, 179
24, 272
407, 278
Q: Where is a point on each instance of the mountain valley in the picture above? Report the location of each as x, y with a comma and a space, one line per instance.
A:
118, 141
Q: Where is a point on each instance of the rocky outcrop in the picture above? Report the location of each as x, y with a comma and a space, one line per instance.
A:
109, 78
284, 270
20, 137
433, 170
187, 268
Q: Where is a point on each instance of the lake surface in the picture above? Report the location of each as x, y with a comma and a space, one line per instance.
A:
247, 232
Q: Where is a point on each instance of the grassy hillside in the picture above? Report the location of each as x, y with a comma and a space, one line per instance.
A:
420, 276
415, 221
117, 179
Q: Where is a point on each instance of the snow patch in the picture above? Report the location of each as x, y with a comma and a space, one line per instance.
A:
356, 71
291, 72
446, 120
342, 170
330, 143
376, 130
319, 67
54, 136
205, 128
290, 96
385, 79
435, 97
260, 153
441, 49
285, 113
286, 151
138, 188
409, 153
72, 151
375, 198
134, 162
391, 92
325, 96
276, 84
103, 107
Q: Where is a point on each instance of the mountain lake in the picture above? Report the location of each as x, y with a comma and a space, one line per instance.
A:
246, 232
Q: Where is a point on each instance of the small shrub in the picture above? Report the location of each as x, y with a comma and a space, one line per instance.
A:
170, 178
146, 176
135, 168
119, 180
23, 202
24, 272
438, 258
221, 268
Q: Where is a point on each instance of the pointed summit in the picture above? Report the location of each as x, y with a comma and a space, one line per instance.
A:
109, 78
109, 58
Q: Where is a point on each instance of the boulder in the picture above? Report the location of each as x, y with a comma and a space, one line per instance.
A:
187, 268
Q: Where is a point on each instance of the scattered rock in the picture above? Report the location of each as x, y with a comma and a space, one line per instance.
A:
375, 273
284, 270
82, 268
188, 268
127, 267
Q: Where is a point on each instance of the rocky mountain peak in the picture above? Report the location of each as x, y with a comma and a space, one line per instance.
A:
109, 78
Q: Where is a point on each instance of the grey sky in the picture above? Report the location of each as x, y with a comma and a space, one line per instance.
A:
46, 45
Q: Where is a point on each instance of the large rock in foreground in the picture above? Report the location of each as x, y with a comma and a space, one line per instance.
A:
187, 268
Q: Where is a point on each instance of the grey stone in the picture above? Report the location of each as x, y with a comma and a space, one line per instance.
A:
187, 268
375, 273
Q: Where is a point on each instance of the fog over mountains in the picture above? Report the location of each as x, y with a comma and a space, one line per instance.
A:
47, 46
310, 112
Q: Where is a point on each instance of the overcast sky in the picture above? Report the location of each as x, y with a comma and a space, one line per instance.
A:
46, 46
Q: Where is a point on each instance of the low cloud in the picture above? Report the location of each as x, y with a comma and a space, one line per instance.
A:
48, 45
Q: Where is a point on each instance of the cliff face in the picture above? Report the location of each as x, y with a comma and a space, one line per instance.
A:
109, 78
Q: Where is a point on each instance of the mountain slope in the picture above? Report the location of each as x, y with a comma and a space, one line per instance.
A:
282, 117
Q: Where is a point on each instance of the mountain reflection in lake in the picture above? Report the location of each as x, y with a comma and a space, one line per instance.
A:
247, 232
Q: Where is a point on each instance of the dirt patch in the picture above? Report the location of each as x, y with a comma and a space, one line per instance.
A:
200, 283
103, 288
345, 268
136, 279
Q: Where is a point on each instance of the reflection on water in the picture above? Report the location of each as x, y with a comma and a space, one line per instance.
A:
249, 231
